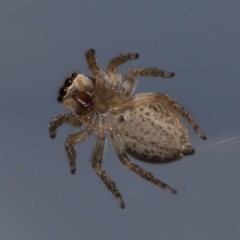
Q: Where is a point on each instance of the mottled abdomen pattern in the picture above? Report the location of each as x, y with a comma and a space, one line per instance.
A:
155, 133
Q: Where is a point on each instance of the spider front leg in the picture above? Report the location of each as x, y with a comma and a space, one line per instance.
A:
113, 75
130, 78
70, 119
71, 140
119, 149
101, 77
92, 62
144, 98
96, 164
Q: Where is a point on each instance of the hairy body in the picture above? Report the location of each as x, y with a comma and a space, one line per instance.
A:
146, 126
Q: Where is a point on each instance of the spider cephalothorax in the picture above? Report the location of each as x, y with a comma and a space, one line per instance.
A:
146, 126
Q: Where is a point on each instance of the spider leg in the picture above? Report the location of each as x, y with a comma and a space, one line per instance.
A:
96, 164
101, 77
71, 140
92, 62
140, 99
70, 119
130, 78
114, 76
119, 149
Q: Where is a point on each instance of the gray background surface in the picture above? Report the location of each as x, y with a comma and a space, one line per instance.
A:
41, 42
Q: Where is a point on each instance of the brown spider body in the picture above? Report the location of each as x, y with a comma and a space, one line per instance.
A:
146, 126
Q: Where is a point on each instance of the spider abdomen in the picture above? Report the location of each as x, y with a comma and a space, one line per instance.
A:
153, 133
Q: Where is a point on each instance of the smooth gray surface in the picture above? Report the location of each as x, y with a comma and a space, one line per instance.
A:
41, 42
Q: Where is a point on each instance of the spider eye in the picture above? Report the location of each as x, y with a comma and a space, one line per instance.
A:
73, 75
62, 91
60, 98
68, 82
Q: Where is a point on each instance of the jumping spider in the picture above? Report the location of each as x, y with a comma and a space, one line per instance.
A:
146, 126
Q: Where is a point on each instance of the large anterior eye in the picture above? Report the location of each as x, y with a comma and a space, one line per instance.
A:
62, 91
68, 82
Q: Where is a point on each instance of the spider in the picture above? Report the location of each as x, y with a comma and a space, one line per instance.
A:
146, 126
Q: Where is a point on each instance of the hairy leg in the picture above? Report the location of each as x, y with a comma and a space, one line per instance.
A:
114, 76
100, 76
71, 140
92, 62
119, 149
130, 78
70, 119
143, 98
96, 164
